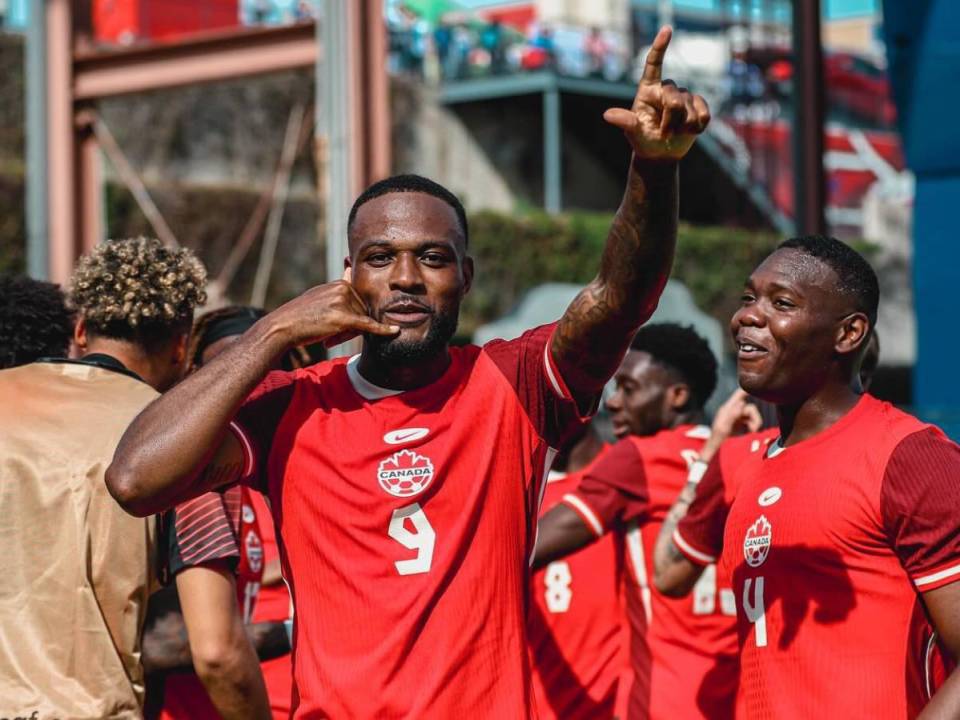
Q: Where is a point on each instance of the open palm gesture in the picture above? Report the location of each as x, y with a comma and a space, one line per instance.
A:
665, 119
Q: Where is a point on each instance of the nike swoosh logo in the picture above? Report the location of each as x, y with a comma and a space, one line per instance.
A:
405, 435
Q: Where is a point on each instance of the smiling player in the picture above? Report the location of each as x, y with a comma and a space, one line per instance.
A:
843, 539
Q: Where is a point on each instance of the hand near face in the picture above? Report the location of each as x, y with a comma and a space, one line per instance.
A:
736, 415
664, 121
331, 314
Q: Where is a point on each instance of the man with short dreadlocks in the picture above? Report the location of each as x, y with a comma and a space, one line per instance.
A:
76, 569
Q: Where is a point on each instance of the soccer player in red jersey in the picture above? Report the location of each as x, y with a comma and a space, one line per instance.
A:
691, 538
683, 653
405, 481
577, 620
843, 538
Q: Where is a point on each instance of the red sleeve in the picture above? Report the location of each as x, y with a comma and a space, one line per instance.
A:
256, 422
613, 491
699, 534
528, 366
201, 531
918, 501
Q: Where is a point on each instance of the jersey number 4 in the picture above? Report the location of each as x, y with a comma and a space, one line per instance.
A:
421, 538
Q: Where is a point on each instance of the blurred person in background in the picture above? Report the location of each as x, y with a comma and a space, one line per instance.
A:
34, 321
218, 562
215, 332
595, 47
78, 570
683, 653
576, 628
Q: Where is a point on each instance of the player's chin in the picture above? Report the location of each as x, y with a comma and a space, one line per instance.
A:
753, 383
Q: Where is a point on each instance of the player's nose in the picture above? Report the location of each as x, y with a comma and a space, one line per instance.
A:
406, 274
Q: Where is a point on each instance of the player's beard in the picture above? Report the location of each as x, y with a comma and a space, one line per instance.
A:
398, 351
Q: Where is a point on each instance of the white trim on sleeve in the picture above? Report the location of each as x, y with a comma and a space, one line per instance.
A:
585, 512
552, 373
692, 552
249, 460
937, 576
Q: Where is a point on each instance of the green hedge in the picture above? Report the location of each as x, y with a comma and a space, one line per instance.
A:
516, 252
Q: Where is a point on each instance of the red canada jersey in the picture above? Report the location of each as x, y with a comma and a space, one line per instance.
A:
683, 651
699, 534
213, 528
406, 524
577, 626
829, 543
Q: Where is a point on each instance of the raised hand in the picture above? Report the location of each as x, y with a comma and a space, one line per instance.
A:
736, 415
664, 121
331, 314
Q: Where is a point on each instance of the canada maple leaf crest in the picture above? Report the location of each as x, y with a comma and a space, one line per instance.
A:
756, 543
405, 473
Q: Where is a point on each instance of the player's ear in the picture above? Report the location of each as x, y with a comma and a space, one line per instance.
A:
80, 334
347, 270
852, 332
467, 269
678, 396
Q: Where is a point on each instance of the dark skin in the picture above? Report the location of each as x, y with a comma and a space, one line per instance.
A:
407, 267
811, 339
648, 398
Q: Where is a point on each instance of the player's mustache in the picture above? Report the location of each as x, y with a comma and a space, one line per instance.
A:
403, 303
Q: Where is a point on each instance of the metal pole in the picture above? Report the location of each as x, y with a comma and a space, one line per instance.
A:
333, 114
808, 119
552, 171
334, 125
38, 256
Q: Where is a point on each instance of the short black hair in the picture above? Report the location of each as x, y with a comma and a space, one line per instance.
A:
857, 278
34, 321
681, 349
411, 183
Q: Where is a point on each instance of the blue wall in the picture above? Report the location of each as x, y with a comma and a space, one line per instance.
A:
923, 48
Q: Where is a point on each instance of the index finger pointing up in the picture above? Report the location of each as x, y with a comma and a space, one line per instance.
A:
653, 68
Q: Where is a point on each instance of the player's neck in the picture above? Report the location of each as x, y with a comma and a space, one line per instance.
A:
817, 412
133, 357
393, 376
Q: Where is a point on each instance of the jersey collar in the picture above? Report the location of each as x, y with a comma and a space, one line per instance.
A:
364, 387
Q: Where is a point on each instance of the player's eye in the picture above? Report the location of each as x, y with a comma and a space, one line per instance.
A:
378, 259
783, 303
434, 259
746, 298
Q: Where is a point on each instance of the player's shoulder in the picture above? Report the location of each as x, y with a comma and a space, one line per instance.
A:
887, 426
670, 441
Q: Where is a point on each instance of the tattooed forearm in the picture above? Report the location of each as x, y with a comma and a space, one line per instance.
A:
597, 327
673, 573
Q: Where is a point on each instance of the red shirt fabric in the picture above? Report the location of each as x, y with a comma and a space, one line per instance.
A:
273, 604
407, 522
699, 534
682, 651
830, 543
211, 529
577, 626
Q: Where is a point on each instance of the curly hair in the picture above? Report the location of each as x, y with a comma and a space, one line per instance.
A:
683, 351
34, 321
138, 290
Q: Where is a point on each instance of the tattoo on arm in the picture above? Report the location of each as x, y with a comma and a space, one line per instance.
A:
665, 545
596, 329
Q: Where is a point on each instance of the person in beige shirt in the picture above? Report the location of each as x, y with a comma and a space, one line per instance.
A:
77, 570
